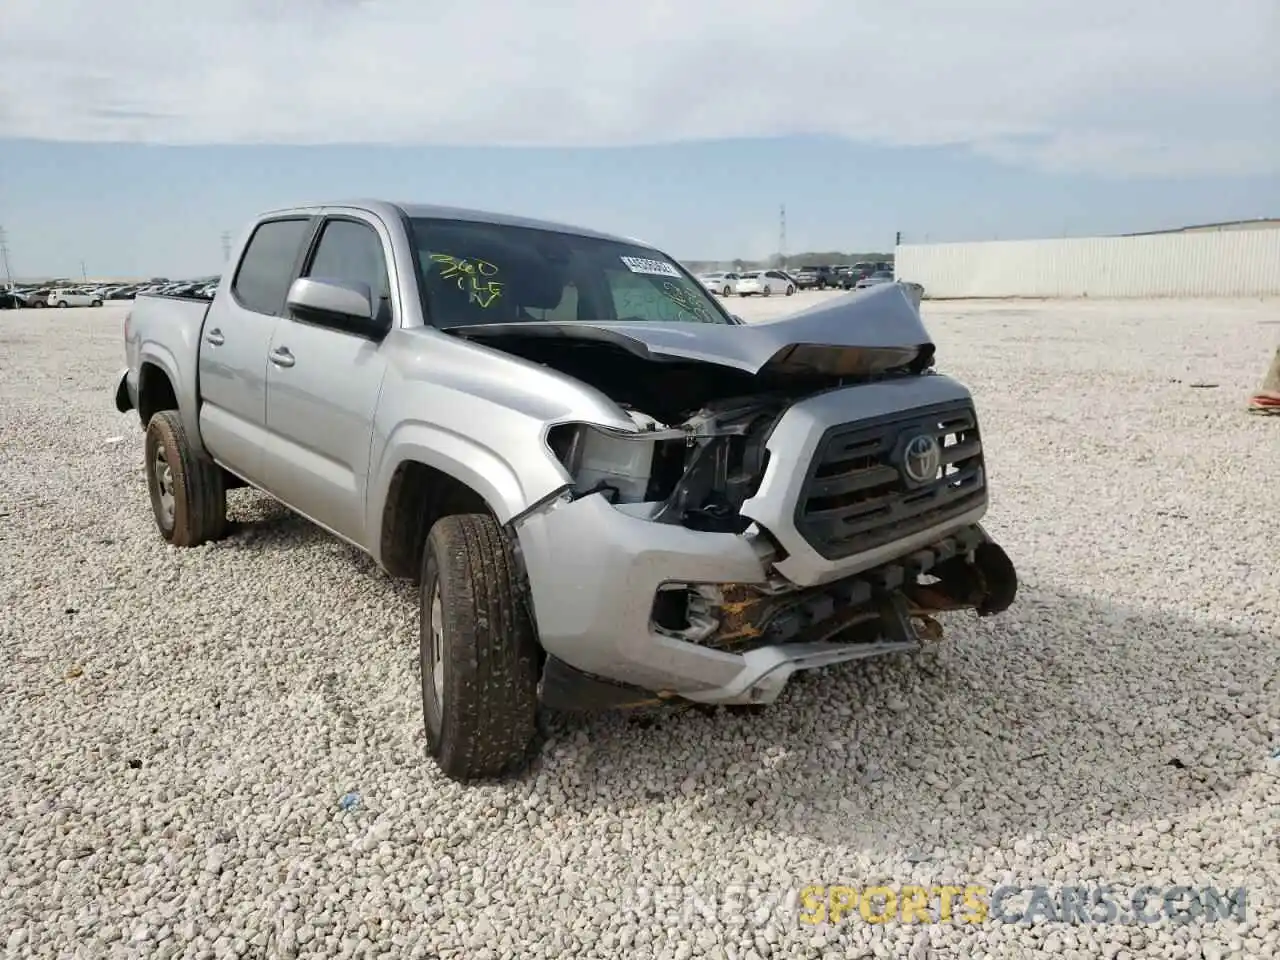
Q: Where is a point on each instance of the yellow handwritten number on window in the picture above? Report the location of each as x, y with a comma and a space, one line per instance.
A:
471, 277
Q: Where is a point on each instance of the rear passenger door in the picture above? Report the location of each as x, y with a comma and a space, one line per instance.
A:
323, 383
235, 340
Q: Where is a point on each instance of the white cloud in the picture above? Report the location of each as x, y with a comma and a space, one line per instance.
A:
1145, 87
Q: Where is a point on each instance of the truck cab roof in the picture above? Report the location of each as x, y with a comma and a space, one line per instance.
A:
400, 210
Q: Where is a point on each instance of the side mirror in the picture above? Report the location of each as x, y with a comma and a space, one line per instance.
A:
347, 303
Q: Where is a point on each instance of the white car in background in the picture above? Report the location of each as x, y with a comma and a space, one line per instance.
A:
875, 280
64, 297
765, 283
717, 282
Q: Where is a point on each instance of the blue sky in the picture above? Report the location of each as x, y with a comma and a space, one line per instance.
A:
133, 134
131, 209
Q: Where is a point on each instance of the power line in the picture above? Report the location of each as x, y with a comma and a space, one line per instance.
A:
782, 235
4, 254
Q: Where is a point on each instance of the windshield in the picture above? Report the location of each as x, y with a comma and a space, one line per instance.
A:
483, 273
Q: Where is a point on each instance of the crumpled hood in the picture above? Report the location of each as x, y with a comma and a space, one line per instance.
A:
858, 334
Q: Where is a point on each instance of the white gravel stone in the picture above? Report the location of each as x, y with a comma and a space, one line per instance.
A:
180, 726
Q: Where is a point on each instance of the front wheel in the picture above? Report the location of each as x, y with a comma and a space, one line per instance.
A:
96, 303
62, 304
725, 292
768, 290
478, 650
188, 492
40, 304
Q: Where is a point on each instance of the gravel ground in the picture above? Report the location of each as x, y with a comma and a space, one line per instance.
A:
178, 729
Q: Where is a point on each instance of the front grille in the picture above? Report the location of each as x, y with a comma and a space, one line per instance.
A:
857, 495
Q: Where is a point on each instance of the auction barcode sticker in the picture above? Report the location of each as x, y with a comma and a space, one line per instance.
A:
659, 268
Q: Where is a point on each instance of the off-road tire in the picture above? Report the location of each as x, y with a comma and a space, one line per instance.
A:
199, 488
482, 725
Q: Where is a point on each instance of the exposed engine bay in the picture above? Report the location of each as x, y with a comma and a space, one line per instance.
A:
704, 404
698, 451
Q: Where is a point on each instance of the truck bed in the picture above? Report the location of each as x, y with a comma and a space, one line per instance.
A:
164, 331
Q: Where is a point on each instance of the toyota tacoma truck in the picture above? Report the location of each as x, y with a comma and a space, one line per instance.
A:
609, 490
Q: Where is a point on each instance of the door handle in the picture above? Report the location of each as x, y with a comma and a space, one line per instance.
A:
215, 337
281, 357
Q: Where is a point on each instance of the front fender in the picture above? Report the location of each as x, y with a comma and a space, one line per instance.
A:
463, 458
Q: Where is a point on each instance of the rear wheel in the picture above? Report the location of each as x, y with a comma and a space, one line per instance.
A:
726, 291
188, 491
96, 303
790, 289
478, 650
39, 304
62, 304
767, 290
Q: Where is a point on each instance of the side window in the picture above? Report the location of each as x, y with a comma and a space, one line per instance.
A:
266, 268
352, 251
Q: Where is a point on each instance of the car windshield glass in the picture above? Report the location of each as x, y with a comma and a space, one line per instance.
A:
484, 273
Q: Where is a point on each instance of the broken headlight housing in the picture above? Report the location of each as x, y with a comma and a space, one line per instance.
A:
697, 474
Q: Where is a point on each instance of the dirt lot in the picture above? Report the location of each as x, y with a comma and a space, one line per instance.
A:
178, 728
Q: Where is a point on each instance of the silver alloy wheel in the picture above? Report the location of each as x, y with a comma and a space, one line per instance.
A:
164, 483
436, 652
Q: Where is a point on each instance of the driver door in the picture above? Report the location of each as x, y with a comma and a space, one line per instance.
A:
323, 383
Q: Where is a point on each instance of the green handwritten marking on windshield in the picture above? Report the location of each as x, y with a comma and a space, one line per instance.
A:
690, 306
471, 277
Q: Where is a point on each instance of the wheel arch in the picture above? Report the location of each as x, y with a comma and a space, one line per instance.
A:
426, 472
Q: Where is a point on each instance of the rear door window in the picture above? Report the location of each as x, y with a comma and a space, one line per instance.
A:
266, 269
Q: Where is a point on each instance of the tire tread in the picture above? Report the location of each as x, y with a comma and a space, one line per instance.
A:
491, 648
200, 510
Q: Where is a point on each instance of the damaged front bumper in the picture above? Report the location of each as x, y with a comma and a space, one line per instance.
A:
632, 612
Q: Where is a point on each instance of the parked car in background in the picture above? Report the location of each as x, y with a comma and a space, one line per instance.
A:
765, 283
815, 277
37, 298
875, 280
718, 282
11, 300
71, 297
861, 270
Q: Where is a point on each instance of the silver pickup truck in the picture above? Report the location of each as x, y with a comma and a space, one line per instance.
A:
610, 491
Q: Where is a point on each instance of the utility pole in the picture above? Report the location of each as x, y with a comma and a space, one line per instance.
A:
84, 275
782, 235
226, 245
4, 254
897, 239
